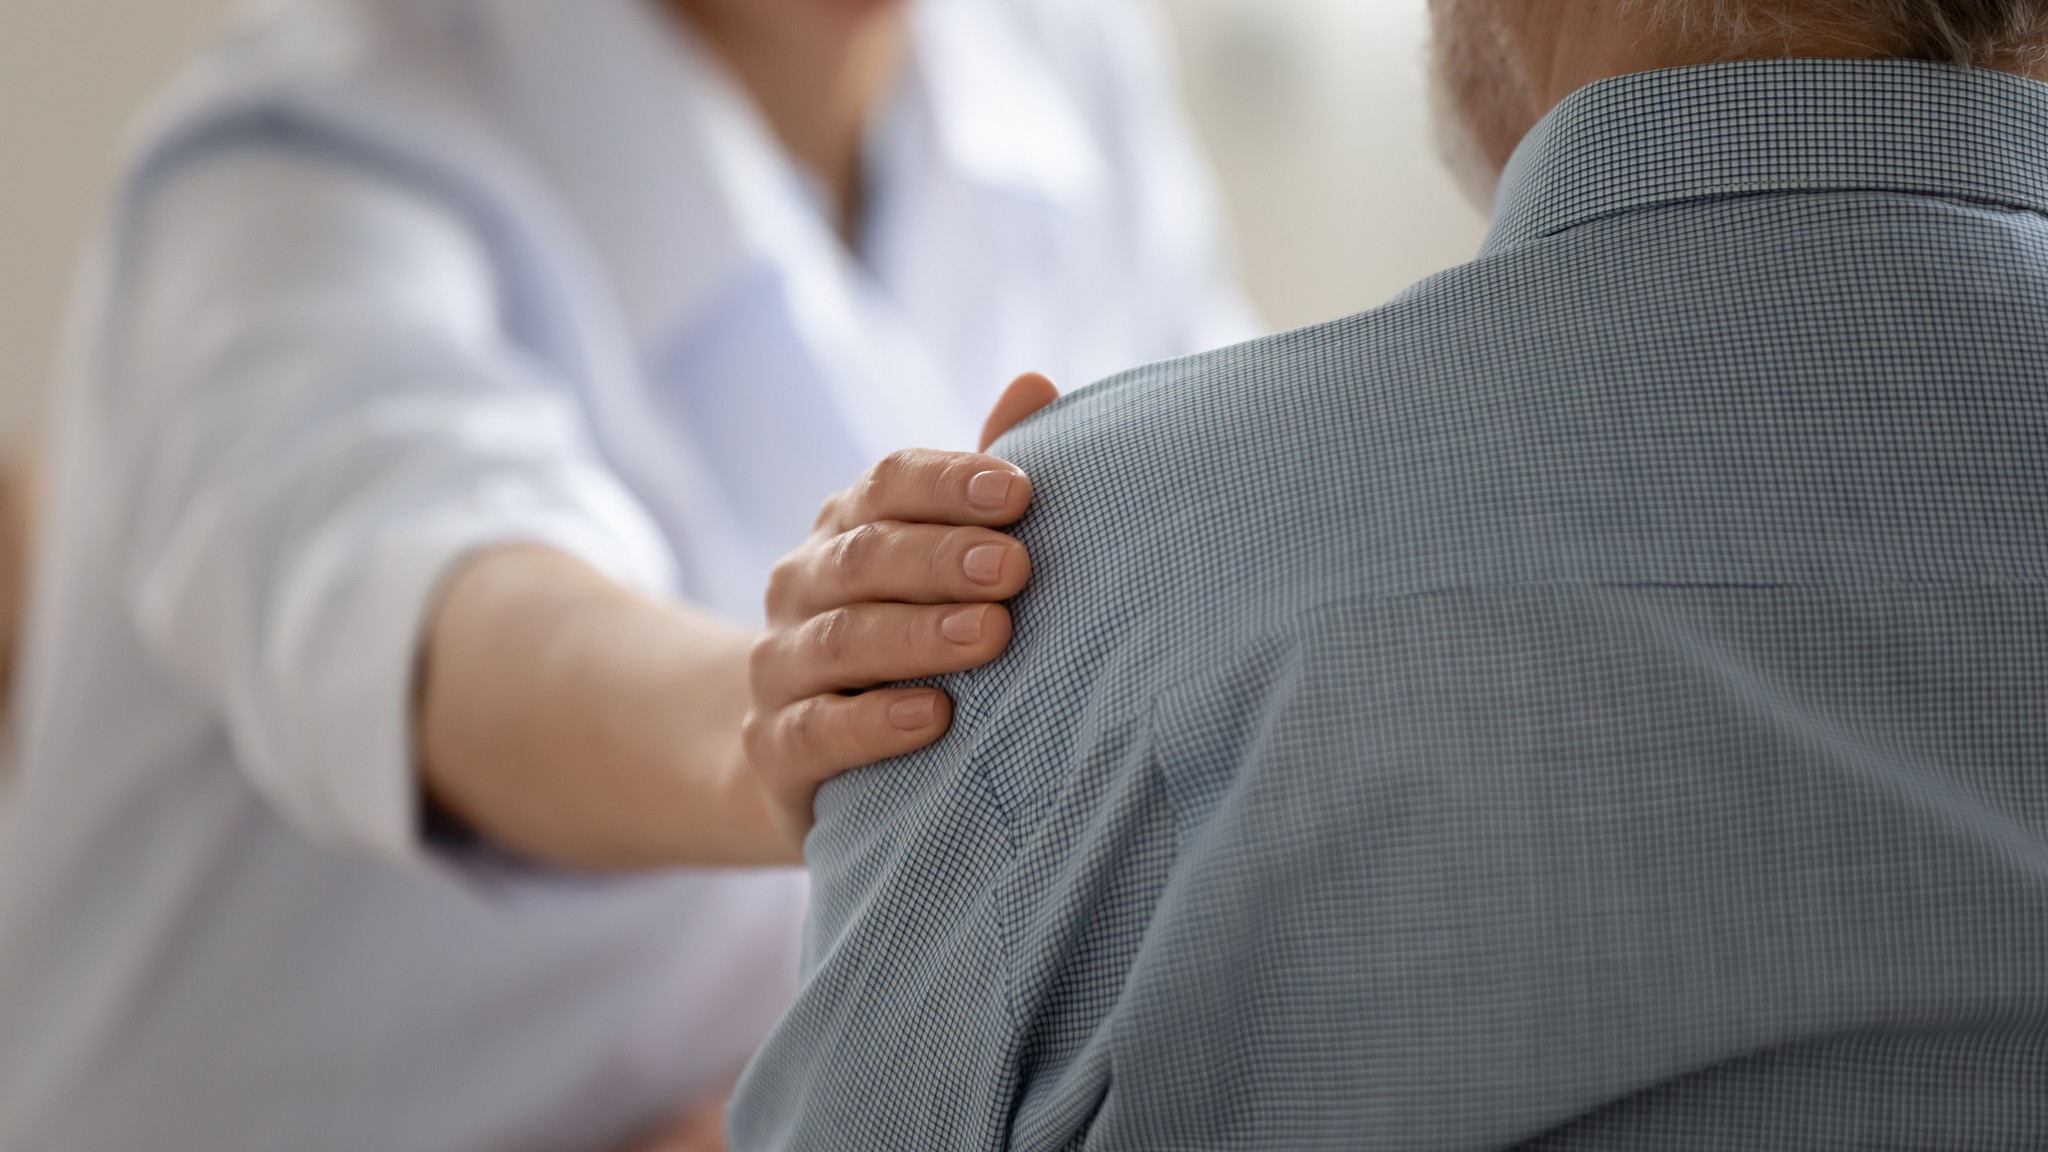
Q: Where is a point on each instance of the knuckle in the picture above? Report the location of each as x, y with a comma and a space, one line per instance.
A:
811, 729
948, 552
864, 495
829, 511
762, 658
918, 632
893, 464
783, 581
757, 738
855, 553
890, 470
832, 635
948, 483
958, 470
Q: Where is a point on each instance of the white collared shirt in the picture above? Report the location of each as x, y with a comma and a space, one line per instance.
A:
393, 280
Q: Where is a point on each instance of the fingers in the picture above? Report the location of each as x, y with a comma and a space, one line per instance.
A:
803, 731
857, 647
1025, 395
814, 739
899, 582
930, 487
891, 561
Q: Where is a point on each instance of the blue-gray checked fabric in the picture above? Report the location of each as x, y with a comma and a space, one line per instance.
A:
1598, 700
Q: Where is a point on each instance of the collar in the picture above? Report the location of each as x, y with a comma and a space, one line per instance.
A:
1766, 126
681, 186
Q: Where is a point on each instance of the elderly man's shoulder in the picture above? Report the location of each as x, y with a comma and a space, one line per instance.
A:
1626, 402
1256, 476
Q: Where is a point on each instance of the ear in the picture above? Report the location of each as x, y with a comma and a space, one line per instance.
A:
1025, 395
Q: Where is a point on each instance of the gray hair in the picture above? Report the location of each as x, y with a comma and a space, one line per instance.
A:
1961, 32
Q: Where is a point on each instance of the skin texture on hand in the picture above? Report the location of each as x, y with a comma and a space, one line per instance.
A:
793, 761
901, 579
584, 725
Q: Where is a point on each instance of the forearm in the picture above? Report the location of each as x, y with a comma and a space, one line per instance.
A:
570, 719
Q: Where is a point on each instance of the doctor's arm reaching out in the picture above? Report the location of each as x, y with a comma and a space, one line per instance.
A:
573, 720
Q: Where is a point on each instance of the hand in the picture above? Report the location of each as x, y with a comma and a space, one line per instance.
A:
901, 579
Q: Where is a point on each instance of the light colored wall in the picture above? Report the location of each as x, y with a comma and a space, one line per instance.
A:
71, 72
1312, 108
1316, 114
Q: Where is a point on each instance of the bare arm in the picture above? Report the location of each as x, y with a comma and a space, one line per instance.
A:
596, 728
586, 724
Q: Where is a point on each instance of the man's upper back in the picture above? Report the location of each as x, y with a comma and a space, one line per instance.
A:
1603, 693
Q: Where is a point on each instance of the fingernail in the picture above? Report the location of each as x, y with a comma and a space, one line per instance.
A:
964, 626
914, 712
985, 564
990, 490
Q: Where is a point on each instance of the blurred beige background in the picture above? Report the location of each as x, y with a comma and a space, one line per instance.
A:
1313, 110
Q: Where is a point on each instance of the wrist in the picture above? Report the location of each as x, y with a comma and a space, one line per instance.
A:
583, 725
758, 837
688, 731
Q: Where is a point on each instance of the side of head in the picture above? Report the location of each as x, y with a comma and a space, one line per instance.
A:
1502, 65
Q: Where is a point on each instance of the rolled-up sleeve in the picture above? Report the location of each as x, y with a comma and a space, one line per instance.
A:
322, 416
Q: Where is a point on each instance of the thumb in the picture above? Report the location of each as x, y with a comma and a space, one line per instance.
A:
1025, 395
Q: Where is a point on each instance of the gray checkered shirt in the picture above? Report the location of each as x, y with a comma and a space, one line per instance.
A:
1597, 701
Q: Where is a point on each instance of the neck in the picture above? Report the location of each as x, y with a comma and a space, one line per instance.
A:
1568, 44
816, 72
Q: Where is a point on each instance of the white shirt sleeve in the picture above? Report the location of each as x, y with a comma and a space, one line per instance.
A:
322, 417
